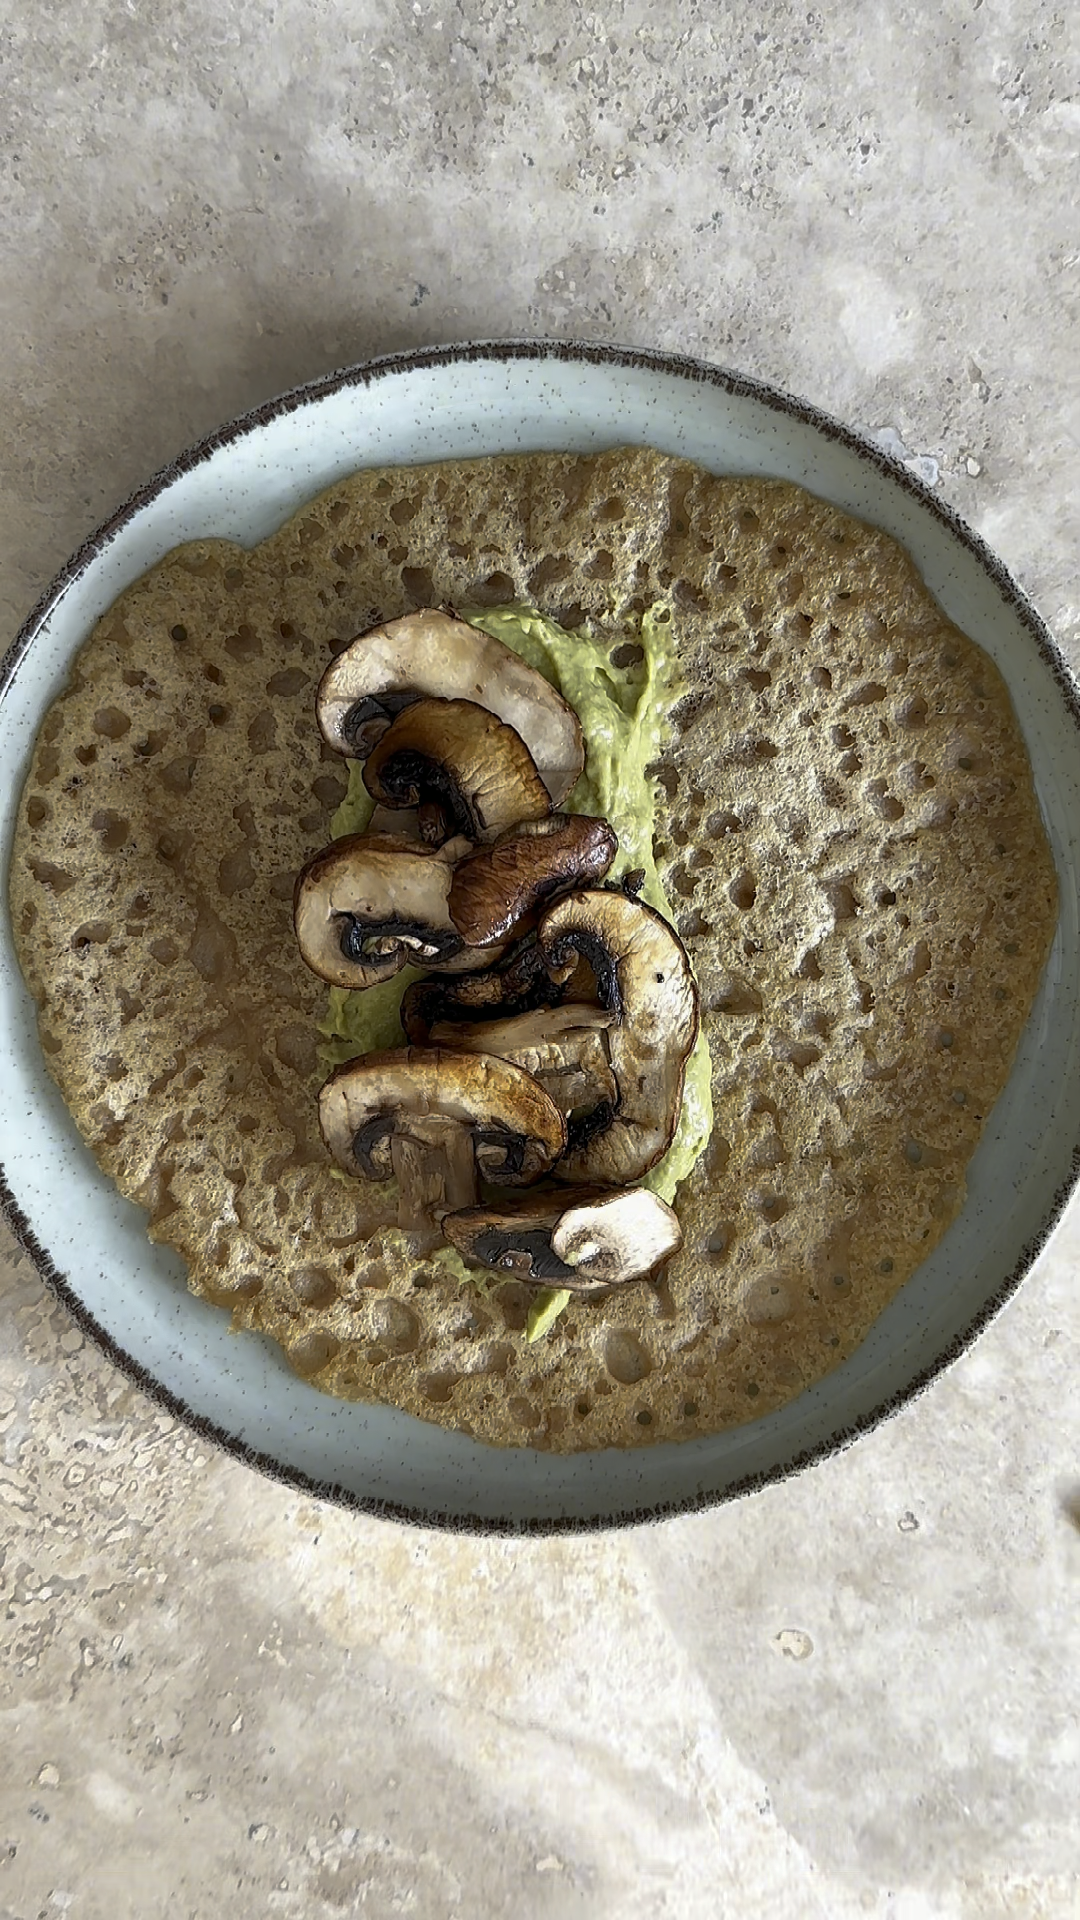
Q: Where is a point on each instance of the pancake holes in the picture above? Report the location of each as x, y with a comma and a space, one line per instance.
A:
295, 1048
771, 1206
213, 674
629, 655
164, 951
694, 926
288, 684
513, 1302
718, 1244
37, 810
313, 1287
113, 828
818, 676
743, 891
314, 1352
841, 899
884, 804
235, 872
246, 1287
919, 964
179, 634
768, 1301
643, 1417
867, 695
495, 590
86, 756
244, 644
625, 1358
438, 1388
913, 712
523, 1411
395, 1325
548, 572
111, 722
328, 791
93, 933
799, 1053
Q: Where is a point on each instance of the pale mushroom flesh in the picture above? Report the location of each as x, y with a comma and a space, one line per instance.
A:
430, 653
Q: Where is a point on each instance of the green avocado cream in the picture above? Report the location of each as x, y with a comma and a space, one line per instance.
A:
624, 717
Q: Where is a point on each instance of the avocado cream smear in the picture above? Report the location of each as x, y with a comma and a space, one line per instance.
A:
624, 714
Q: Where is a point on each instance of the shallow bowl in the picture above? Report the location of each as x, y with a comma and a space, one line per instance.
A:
91, 1245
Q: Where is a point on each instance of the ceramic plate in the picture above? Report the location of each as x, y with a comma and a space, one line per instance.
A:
91, 1245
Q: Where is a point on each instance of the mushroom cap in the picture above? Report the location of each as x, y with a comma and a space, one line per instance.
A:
496, 888
454, 752
370, 903
430, 653
587, 1242
643, 976
516, 1131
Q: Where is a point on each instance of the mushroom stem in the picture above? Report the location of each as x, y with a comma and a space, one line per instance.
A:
432, 1174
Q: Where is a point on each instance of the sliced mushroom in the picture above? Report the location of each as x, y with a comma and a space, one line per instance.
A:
564, 1048
369, 904
497, 888
517, 984
438, 1122
601, 1239
642, 976
457, 758
430, 653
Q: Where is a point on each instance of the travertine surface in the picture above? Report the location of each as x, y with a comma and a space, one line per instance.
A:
851, 1695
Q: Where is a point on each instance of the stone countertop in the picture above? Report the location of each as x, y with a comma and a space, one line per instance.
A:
849, 1695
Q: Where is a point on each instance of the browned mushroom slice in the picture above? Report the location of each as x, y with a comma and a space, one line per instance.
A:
459, 758
432, 654
585, 1242
497, 888
370, 904
564, 1048
517, 984
642, 976
438, 1122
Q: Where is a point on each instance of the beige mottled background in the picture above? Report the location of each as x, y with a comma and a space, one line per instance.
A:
852, 1696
